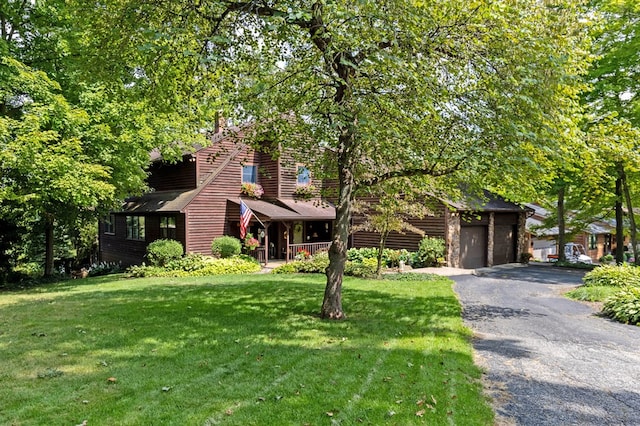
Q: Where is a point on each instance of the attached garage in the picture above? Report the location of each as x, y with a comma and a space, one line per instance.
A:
478, 232
473, 240
488, 233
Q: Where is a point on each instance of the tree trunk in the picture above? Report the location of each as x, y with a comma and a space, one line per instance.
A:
48, 238
632, 219
561, 225
383, 243
332, 303
619, 222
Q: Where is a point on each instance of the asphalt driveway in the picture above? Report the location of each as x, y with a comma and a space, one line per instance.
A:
550, 360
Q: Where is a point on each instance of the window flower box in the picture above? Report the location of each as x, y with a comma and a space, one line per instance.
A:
305, 192
252, 190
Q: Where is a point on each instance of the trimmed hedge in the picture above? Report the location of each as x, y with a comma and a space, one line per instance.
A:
226, 246
161, 252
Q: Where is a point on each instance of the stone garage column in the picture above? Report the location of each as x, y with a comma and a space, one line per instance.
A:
522, 244
452, 233
490, 238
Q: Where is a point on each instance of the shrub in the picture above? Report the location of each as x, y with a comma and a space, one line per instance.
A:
392, 258
430, 252
161, 252
365, 269
234, 265
525, 257
607, 258
205, 266
624, 306
613, 275
190, 262
315, 264
287, 268
226, 246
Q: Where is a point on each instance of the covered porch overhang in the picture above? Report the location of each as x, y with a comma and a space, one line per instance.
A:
288, 212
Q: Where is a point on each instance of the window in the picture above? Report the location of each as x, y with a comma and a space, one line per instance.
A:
135, 228
168, 227
593, 241
304, 176
249, 174
110, 224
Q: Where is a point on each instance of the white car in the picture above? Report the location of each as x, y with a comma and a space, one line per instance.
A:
575, 253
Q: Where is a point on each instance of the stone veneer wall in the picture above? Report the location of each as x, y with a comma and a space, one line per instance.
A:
452, 233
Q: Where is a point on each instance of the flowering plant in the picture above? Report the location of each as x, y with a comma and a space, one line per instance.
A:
303, 254
250, 242
253, 190
305, 191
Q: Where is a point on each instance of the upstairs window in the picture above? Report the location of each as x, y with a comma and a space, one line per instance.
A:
135, 228
110, 224
168, 227
304, 176
249, 174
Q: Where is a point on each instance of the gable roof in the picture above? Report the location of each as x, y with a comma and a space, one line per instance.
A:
488, 202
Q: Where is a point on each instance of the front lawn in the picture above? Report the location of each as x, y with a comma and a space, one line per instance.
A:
236, 350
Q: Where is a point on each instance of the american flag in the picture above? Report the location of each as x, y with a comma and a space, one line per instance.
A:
245, 218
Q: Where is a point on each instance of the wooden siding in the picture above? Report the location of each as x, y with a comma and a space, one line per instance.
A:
172, 177
433, 226
268, 174
207, 214
117, 248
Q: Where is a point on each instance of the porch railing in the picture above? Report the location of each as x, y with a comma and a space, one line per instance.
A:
310, 248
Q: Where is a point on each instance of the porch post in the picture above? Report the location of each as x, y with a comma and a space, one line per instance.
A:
286, 239
266, 243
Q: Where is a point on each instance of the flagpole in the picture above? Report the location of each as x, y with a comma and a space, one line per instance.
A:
254, 215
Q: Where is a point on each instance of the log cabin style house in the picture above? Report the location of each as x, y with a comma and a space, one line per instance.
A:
198, 199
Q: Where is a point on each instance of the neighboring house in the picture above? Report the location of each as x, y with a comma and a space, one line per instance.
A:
198, 199
477, 232
598, 238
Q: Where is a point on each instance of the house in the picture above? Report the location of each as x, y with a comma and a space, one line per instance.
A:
478, 231
598, 238
198, 199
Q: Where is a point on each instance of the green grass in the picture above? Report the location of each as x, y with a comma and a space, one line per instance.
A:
593, 293
236, 350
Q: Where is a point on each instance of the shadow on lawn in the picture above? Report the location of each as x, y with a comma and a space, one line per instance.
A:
262, 333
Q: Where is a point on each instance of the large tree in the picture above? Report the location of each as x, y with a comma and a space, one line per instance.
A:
613, 106
478, 91
71, 145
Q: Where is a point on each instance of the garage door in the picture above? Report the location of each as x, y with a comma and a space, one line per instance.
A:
504, 244
473, 247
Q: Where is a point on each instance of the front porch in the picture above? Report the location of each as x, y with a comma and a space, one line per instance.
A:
291, 251
287, 228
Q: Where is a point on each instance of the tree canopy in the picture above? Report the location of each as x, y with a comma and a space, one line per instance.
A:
438, 92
